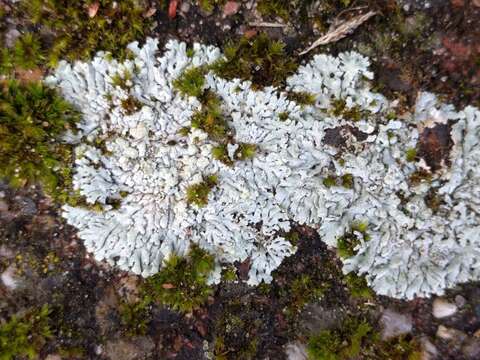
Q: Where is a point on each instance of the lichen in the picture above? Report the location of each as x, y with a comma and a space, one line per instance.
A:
291, 170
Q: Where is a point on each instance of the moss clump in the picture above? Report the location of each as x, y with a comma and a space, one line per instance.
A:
229, 274
330, 181
131, 105
358, 287
347, 243
135, 317
209, 5
344, 343
80, 31
245, 151
210, 118
356, 338
354, 113
32, 119
182, 282
347, 181
27, 53
303, 290
238, 330
283, 116
420, 176
259, 59
197, 194
191, 82
25, 335
301, 97
220, 153
283, 8
411, 155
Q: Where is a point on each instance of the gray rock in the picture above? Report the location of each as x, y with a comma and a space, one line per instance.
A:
454, 336
395, 324
315, 318
105, 311
460, 301
25, 206
471, 348
442, 308
11, 36
296, 351
429, 351
135, 348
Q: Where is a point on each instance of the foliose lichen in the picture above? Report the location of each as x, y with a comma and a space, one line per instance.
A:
410, 251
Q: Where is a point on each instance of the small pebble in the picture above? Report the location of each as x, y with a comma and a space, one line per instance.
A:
296, 351
395, 324
471, 348
453, 335
442, 308
185, 7
9, 278
460, 301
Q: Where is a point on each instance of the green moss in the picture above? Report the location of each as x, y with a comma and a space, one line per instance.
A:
245, 151
78, 35
347, 181
210, 118
182, 282
358, 287
259, 59
27, 53
122, 80
197, 194
283, 116
229, 274
209, 5
354, 113
135, 317
32, 120
301, 97
347, 243
343, 343
220, 153
411, 155
236, 332
25, 335
283, 8
191, 82
324, 346
330, 181
293, 237
303, 290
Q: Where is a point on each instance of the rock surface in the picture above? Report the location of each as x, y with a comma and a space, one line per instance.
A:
443, 308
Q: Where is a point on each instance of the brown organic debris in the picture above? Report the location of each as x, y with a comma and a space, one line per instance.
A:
93, 9
342, 29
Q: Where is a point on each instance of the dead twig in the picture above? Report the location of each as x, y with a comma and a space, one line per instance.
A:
266, 24
341, 31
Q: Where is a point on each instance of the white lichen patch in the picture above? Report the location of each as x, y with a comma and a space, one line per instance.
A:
131, 150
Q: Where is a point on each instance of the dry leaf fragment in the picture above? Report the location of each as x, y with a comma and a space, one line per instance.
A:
150, 12
172, 9
93, 9
341, 31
